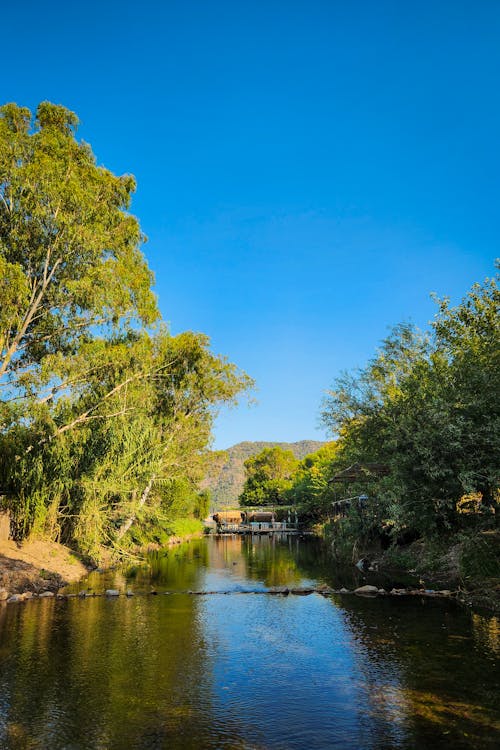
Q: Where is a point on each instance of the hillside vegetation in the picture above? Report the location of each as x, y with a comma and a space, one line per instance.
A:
227, 476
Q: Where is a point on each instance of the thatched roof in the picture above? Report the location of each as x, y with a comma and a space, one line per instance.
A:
358, 472
260, 517
227, 516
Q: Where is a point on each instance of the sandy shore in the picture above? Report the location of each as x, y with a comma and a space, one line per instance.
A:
37, 566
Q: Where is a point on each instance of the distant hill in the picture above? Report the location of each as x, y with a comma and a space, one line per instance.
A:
227, 474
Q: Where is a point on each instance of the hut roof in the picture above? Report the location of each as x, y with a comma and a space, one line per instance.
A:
227, 516
361, 471
264, 516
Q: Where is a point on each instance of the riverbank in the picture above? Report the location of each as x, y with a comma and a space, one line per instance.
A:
468, 564
37, 566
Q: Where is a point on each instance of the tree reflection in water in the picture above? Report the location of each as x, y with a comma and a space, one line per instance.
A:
253, 671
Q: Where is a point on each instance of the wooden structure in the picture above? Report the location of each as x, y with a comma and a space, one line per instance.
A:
250, 521
341, 507
255, 516
356, 473
228, 520
359, 472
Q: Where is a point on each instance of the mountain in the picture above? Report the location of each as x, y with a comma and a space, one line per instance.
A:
226, 475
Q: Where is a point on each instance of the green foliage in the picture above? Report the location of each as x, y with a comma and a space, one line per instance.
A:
202, 507
400, 559
310, 488
70, 258
225, 476
105, 421
427, 407
182, 527
269, 476
480, 557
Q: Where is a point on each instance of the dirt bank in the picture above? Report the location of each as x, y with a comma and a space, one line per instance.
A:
469, 563
37, 566
47, 566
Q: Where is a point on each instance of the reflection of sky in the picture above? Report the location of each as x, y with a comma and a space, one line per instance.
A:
244, 672
291, 670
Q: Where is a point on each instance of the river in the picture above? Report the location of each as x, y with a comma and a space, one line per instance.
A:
245, 671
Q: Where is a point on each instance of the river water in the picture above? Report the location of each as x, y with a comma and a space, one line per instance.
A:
245, 671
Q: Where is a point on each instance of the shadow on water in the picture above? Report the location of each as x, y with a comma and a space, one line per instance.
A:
254, 671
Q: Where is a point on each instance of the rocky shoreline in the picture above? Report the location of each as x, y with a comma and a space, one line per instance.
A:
41, 569
323, 590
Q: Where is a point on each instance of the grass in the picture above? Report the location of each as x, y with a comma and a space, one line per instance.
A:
185, 526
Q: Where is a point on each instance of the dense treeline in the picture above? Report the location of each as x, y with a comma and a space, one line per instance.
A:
276, 477
427, 407
269, 477
226, 473
422, 423
105, 417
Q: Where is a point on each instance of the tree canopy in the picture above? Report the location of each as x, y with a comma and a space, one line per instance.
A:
105, 417
70, 257
268, 477
428, 407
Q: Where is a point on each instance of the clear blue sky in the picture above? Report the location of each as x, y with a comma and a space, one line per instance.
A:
308, 172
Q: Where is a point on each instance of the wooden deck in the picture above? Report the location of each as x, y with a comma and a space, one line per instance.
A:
257, 528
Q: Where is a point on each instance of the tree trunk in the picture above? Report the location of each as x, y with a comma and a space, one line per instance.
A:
130, 520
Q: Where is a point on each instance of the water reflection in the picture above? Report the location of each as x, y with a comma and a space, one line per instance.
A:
244, 671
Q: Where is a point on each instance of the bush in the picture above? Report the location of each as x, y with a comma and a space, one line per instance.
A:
480, 556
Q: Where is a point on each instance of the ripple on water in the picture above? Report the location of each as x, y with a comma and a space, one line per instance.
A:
244, 672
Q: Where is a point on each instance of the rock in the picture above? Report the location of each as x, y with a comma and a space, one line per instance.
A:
46, 594
382, 591
15, 598
398, 592
27, 594
4, 594
344, 591
112, 592
366, 591
82, 594
129, 593
302, 592
326, 591
444, 592
279, 590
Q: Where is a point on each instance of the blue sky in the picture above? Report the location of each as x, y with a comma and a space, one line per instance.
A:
308, 172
